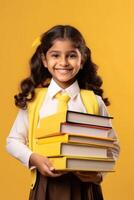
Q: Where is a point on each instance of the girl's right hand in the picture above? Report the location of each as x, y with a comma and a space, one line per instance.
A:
43, 164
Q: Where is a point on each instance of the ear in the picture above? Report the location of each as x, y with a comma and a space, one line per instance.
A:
43, 58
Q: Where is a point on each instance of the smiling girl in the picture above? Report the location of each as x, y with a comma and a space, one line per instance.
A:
62, 63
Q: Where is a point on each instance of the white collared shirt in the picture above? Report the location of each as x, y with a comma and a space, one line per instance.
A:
74, 104
18, 137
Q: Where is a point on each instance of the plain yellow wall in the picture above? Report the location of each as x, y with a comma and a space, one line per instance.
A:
108, 29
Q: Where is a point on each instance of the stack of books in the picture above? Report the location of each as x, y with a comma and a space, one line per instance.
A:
76, 142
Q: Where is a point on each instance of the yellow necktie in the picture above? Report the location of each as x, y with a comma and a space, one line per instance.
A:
62, 101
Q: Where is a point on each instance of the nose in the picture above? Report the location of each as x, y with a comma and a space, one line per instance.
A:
63, 61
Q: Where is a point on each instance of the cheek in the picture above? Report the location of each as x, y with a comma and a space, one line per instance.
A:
51, 63
76, 63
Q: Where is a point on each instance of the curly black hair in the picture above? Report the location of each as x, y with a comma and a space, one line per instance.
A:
39, 75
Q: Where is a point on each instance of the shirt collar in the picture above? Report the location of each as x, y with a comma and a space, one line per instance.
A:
73, 90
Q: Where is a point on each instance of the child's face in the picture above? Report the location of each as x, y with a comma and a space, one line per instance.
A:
63, 61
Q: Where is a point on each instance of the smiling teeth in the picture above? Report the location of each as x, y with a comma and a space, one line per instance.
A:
63, 71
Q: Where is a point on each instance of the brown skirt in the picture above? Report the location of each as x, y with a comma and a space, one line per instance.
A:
65, 187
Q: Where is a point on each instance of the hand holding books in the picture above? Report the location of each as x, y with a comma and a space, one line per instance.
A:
44, 165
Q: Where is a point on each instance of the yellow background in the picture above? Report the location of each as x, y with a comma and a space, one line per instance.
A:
108, 29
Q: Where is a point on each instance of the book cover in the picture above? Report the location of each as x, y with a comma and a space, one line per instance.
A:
50, 124
73, 138
83, 164
70, 149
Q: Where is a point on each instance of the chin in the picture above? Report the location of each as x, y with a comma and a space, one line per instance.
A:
67, 82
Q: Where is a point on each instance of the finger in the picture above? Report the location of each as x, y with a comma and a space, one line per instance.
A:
55, 174
44, 170
48, 163
51, 174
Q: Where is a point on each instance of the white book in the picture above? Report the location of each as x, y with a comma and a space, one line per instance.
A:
84, 118
89, 130
83, 164
70, 149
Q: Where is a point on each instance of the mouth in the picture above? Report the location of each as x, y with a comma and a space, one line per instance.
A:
63, 70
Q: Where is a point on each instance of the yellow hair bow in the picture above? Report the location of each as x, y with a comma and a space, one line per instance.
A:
36, 42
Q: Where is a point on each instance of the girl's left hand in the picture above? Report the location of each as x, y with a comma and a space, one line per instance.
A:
94, 177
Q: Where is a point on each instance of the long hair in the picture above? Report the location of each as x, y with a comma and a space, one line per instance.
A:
39, 75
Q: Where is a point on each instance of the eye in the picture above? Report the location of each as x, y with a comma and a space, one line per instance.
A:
72, 55
55, 55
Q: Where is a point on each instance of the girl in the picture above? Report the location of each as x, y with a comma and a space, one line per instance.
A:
62, 62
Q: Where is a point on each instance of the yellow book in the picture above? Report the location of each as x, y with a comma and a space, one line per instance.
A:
50, 124
83, 164
70, 149
73, 138
57, 123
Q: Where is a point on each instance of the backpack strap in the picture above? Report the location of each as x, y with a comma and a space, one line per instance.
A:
33, 112
90, 101
33, 115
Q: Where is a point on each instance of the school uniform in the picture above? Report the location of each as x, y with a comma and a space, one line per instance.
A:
67, 186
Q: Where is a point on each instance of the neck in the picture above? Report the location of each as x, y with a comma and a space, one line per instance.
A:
65, 85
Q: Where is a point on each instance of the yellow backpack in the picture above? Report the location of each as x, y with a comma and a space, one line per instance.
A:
89, 100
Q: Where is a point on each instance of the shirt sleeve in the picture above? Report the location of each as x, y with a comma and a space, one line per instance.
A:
18, 138
112, 152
